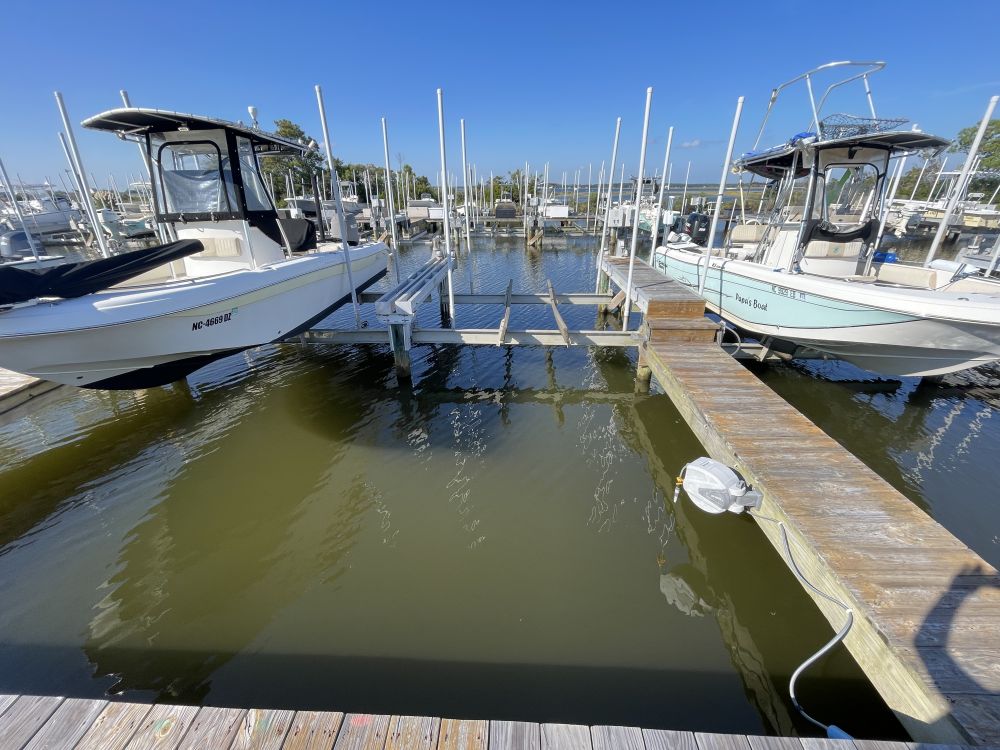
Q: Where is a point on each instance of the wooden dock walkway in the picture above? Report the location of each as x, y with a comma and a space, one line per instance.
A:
53, 723
17, 389
926, 607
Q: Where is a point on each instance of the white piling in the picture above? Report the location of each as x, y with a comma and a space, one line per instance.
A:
718, 199
337, 201
392, 202
447, 221
663, 186
74, 153
17, 211
635, 220
465, 189
966, 170
607, 201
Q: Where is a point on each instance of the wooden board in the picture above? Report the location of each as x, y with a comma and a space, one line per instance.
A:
515, 735
163, 728
665, 739
652, 292
67, 725
313, 730
565, 737
462, 734
927, 608
263, 729
22, 720
412, 733
114, 727
213, 727
362, 732
712, 741
617, 738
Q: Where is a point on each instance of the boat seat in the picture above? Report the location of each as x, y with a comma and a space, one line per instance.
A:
220, 247
747, 233
826, 249
900, 273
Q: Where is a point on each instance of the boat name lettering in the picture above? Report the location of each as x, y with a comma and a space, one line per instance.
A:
213, 321
750, 302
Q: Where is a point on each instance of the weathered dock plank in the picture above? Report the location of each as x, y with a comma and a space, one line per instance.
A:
412, 733
313, 730
712, 741
114, 727
362, 732
66, 725
463, 734
213, 727
515, 735
23, 719
565, 737
667, 739
163, 728
263, 729
652, 292
776, 743
617, 738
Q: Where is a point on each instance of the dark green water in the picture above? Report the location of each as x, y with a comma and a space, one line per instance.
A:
298, 529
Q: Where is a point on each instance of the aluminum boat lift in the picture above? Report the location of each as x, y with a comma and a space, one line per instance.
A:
397, 309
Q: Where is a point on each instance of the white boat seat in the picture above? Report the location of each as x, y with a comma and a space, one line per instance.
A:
220, 247
827, 249
747, 233
915, 276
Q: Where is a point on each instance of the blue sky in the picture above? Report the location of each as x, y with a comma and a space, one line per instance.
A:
538, 81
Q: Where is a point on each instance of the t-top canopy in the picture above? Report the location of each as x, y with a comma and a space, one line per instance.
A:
775, 162
139, 121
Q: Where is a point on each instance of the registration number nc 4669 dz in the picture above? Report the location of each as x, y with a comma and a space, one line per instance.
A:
213, 321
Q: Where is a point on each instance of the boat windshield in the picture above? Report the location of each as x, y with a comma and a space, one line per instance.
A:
845, 191
196, 178
256, 196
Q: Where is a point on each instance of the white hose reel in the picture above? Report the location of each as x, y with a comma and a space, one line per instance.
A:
715, 488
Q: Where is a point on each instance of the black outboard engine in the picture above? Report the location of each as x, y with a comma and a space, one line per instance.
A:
696, 226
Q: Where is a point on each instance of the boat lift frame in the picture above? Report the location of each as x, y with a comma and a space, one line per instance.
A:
397, 309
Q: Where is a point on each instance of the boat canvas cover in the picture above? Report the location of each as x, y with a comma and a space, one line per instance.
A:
21, 284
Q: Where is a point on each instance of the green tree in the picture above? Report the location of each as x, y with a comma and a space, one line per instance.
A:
300, 169
909, 180
989, 154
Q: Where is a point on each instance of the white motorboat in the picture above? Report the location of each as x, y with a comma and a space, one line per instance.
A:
41, 210
236, 276
807, 276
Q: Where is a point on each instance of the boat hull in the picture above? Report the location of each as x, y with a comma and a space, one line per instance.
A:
794, 308
148, 336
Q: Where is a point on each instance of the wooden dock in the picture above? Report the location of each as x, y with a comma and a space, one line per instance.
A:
53, 723
926, 607
17, 389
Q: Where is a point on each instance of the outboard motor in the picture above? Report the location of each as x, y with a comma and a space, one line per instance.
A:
697, 226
